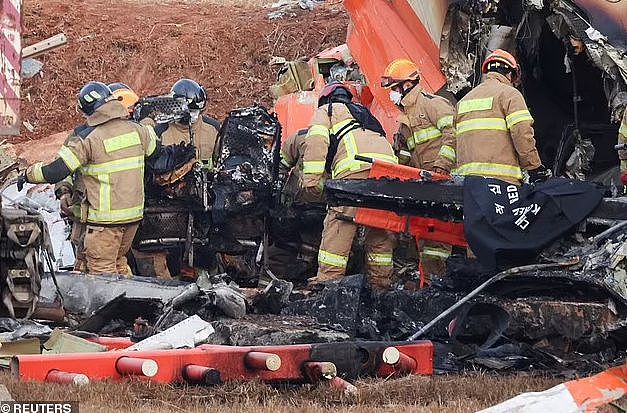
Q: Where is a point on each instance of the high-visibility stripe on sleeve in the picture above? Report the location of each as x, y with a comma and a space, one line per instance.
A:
70, 160
474, 105
383, 260
445, 121
623, 129
334, 260
313, 167
517, 117
623, 165
318, 130
481, 124
448, 153
426, 135
38, 174
404, 153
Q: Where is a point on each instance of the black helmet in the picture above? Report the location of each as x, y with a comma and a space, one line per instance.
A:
191, 91
92, 96
118, 85
335, 91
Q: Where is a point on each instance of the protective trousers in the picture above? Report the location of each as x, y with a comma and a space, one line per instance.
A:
106, 248
433, 257
337, 240
77, 238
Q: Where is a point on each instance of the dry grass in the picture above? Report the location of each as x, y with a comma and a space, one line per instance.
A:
416, 394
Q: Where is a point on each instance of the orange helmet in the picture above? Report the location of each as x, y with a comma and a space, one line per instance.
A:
400, 70
125, 95
500, 56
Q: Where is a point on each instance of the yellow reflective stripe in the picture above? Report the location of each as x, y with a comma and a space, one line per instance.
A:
124, 141
38, 173
481, 124
623, 165
448, 152
411, 143
104, 182
152, 141
426, 135
473, 105
404, 153
313, 167
119, 165
380, 259
623, 129
70, 160
517, 117
431, 252
318, 130
336, 128
334, 260
489, 169
116, 215
445, 121
380, 157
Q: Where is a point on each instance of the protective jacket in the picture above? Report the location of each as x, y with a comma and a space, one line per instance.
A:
426, 131
110, 157
292, 150
73, 184
494, 132
205, 136
352, 142
622, 138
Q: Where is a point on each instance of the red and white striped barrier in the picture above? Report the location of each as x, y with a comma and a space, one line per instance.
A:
10, 65
577, 396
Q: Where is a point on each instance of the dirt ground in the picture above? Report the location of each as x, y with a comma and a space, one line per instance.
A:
410, 394
225, 45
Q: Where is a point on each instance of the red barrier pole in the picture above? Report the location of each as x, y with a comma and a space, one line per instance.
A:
319, 370
341, 384
131, 366
401, 362
257, 360
56, 376
201, 374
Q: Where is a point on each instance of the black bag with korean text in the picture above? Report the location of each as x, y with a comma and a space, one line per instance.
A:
508, 225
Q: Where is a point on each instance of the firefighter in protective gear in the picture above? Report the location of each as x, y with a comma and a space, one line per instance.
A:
200, 128
425, 140
494, 129
125, 95
335, 137
425, 135
109, 151
619, 114
292, 151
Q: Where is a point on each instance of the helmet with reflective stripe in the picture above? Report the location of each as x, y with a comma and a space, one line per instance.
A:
193, 93
92, 96
334, 91
125, 95
400, 70
500, 58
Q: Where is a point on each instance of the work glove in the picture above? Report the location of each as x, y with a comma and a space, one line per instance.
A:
623, 177
21, 180
66, 204
442, 171
539, 174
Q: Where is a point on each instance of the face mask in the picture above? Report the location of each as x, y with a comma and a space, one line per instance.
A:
194, 115
396, 97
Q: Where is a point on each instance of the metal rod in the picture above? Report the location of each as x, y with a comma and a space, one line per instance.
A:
490, 281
